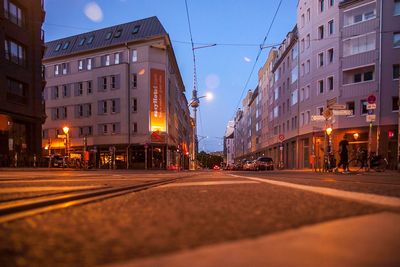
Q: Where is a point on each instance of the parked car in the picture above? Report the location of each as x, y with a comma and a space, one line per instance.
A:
264, 163
248, 165
58, 161
216, 168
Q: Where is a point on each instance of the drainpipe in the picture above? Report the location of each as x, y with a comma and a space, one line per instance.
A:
129, 105
378, 127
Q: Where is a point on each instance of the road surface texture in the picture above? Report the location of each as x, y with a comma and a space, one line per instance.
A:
208, 218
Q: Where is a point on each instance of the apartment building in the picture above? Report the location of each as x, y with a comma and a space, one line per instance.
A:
21, 106
339, 53
120, 92
229, 145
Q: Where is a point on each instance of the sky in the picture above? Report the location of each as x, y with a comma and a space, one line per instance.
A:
238, 27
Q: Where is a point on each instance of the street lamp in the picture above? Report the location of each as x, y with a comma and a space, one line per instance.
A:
355, 135
66, 131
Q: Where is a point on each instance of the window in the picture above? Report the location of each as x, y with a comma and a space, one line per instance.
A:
16, 91
58, 47
134, 80
308, 39
64, 90
135, 127
134, 55
89, 87
90, 40
396, 71
104, 108
56, 70
360, 44
302, 94
302, 46
308, 14
330, 55
364, 104
357, 77
104, 83
357, 16
363, 76
89, 110
108, 35
303, 19
134, 104
80, 65
105, 128
307, 92
395, 103
56, 93
351, 106
107, 60
295, 96
64, 68
295, 74
116, 58
321, 86
14, 13
321, 32
321, 5
82, 41
368, 76
80, 89
118, 33
295, 52
113, 106
308, 65
320, 59
331, 27
396, 39
113, 82
89, 64
303, 69
331, 3
80, 110
330, 83
15, 52
396, 10
320, 110
136, 29
66, 45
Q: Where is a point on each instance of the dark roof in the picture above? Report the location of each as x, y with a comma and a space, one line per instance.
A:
148, 27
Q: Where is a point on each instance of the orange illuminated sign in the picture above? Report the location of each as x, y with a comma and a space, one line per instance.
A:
158, 112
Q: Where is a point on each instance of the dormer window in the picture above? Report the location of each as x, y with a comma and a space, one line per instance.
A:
82, 41
136, 29
108, 35
118, 33
90, 40
58, 47
66, 45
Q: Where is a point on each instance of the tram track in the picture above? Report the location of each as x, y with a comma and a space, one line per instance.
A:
14, 210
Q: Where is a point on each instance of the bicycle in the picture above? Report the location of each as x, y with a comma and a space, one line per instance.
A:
363, 162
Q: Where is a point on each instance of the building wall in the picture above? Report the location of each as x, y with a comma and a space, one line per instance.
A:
21, 110
132, 99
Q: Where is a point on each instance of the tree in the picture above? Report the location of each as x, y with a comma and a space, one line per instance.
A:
209, 161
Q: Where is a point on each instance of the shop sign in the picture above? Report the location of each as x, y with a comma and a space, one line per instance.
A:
371, 106
317, 118
371, 118
343, 112
157, 100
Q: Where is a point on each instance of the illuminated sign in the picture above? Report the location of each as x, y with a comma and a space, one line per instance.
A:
158, 112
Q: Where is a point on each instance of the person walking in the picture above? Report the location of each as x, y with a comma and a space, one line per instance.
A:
344, 155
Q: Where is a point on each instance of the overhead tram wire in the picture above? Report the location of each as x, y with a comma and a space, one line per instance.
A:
258, 56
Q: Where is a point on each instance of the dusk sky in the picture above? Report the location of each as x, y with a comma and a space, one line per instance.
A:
237, 27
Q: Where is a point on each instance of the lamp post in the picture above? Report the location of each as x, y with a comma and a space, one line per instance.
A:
328, 148
66, 131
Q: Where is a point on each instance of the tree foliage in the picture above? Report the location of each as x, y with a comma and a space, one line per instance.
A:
209, 161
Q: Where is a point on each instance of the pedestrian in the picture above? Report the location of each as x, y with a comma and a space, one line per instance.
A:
344, 157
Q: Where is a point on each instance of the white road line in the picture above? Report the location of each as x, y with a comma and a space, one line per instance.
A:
45, 188
363, 197
207, 183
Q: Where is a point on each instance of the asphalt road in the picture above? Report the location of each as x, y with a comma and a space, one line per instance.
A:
202, 209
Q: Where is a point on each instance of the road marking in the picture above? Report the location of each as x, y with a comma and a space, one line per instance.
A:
363, 197
46, 188
207, 183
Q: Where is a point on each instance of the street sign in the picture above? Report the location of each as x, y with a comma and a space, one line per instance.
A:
371, 118
371, 106
61, 136
371, 99
344, 112
317, 118
338, 106
327, 113
281, 137
331, 102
